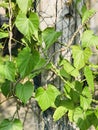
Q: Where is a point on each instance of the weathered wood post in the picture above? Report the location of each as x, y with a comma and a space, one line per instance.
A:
64, 17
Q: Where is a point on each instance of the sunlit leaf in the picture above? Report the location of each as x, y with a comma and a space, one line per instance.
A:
88, 14
3, 34
89, 39
89, 77
46, 97
85, 100
70, 115
24, 5
59, 112
78, 114
27, 26
69, 68
80, 56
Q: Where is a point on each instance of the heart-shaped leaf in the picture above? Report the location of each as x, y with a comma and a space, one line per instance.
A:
24, 91
89, 39
46, 97
80, 56
24, 5
28, 26
26, 61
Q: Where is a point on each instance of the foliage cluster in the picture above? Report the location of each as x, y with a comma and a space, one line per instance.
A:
76, 100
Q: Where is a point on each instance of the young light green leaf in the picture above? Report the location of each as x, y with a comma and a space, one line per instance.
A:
3, 34
4, 4
46, 97
26, 61
69, 68
88, 14
85, 100
80, 56
78, 114
59, 112
50, 36
24, 5
24, 91
70, 115
7, 124
89, 39
28, 26
89, 77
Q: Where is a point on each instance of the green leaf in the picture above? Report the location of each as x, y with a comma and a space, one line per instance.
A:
70, 115
11, 125
88, 120
89, 39
40, 64
80, 56
37, 69
96, 112
24, 5
26, 61
64, 73
67, 90
24, 91
91, 117
46, 97
3, 34
67, 103
6, 88
50, 36
80, 119
28, 26
84, 9
69, 68
88, 14
59, 112
75, 93
7, 70
78, 114
89, 77
6, 4
85, 100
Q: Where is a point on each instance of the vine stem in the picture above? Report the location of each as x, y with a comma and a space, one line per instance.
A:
10, 30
